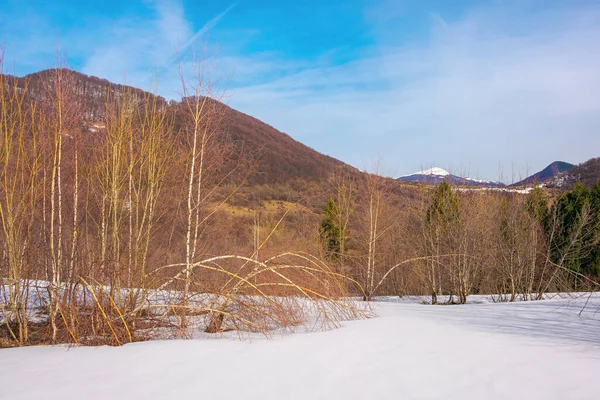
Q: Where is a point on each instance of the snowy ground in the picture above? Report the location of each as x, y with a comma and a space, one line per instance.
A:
528, 350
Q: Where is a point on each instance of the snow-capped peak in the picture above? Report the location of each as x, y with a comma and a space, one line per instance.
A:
436, 175
432, 171
484, 181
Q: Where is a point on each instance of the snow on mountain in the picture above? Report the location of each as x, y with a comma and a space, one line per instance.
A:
587, 173
549, 174
495, 183
431, 171
437, 175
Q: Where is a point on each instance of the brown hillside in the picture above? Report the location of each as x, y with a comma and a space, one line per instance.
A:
278, 158
282, 169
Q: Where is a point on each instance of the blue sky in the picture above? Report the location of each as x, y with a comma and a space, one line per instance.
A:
490, 89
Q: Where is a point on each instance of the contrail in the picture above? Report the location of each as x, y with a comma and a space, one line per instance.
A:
207, 26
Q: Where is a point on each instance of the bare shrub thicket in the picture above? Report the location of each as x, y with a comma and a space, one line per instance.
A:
109, 228
376, 228
453, 242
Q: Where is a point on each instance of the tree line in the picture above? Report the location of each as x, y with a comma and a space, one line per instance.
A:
457, 241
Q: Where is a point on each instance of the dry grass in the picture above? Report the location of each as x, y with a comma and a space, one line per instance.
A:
268, 208
247, 295
228, 293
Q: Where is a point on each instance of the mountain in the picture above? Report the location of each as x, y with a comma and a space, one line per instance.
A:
434, 176
91, 92
587, 173
545, 175
276, 157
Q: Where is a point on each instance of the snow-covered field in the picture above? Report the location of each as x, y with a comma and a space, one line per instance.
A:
527, 350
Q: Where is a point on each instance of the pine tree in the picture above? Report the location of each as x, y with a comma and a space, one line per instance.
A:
444, 207
331, 234
537, 205
593, 261
576, 228
441, 221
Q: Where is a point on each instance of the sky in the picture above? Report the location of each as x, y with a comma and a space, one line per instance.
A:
488, 89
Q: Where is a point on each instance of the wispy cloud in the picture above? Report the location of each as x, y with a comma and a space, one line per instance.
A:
504, 82
208, 26
476, 95
143, 48
182, 50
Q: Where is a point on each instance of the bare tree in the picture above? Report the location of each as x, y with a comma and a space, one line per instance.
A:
20, 159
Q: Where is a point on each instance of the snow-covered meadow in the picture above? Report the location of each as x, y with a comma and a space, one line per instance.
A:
530, 350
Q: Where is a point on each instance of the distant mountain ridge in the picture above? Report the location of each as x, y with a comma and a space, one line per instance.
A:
547, 174
436, 175
587, 173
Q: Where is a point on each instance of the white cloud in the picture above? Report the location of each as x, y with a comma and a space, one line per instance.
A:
501, 84
142, 48
477, 95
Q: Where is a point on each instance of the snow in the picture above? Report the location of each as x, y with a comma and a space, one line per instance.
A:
436, 171
96, 127
532, 350
484, 181
496, 189
431, 171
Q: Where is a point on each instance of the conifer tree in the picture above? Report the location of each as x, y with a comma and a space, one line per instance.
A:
593, 261
331, 234
440, 221
537, 204
575, 229
444, 207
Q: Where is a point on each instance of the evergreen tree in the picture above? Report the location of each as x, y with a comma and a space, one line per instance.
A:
444, 208
575, 225
441, 223
593, 260
537, 205
330, 231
